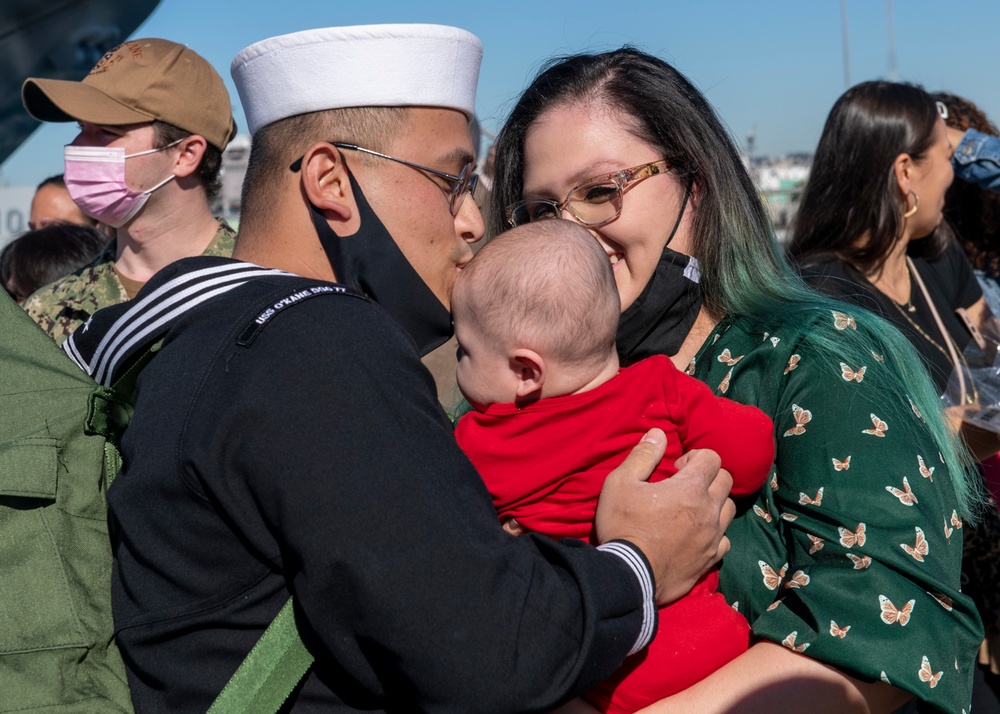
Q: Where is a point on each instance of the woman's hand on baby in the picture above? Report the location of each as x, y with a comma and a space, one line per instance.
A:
679, 524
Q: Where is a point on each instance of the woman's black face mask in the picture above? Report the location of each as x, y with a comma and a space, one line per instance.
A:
661, 317
370, 262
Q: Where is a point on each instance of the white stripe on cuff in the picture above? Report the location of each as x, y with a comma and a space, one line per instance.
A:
628, 553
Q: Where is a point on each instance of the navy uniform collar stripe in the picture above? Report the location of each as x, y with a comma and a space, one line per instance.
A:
154, 313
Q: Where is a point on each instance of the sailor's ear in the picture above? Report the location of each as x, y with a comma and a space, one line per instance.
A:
326, 182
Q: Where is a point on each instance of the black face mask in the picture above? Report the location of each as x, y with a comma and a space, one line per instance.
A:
370, 262
661, 317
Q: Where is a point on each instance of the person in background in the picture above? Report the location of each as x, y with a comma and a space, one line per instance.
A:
154, 120
977, 146
555, 413
53, 204
626, 146
869, 231
42, 256
886, 249
974, 213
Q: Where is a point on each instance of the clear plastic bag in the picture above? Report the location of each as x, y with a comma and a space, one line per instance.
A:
973, 390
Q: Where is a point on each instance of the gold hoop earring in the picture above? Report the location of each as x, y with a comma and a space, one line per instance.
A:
916, 205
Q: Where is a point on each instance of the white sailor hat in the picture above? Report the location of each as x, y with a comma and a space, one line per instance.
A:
359, 66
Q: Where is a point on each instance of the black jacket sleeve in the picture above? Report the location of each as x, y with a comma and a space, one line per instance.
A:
323, 443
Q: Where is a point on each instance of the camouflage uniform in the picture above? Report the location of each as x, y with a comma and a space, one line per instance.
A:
61, 307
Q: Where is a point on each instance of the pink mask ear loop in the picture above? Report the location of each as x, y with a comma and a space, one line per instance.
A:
169, 178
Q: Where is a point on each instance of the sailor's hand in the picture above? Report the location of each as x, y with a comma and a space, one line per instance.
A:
679, 524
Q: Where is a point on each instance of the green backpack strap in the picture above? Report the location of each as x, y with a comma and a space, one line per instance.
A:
110, 409
265, 679
279, 660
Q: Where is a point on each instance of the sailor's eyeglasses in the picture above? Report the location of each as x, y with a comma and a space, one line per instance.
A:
461, 185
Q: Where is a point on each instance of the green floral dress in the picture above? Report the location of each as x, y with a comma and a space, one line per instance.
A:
852, 552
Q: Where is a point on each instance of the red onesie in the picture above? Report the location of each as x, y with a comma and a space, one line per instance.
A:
545, 464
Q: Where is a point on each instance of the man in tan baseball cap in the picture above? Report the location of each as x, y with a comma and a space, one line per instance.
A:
154, 120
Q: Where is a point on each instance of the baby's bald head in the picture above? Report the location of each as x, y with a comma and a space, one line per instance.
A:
547, 286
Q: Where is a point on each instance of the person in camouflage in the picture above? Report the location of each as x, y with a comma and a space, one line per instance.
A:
166, 110
61, 307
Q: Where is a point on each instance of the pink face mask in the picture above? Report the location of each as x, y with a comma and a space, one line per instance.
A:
95, 179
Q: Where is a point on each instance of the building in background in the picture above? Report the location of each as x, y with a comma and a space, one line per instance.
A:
234, 168
781, 182
15, 207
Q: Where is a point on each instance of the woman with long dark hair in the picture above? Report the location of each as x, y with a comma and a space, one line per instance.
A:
870, 230
869, 227
844, 618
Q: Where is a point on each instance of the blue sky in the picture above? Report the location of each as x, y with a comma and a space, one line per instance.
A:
773, 67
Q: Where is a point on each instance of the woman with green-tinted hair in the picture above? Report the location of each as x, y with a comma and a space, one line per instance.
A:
847, 563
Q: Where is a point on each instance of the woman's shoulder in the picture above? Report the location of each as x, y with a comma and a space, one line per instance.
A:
951, 257
821, 264
824, 266
951, 264
746, 358
833, 277
950, 277
794, 327
814, 341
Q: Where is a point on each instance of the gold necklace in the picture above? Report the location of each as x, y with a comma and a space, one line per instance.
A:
910, 307
972, 398
917, 327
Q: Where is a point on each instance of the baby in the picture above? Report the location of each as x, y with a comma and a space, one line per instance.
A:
536, 312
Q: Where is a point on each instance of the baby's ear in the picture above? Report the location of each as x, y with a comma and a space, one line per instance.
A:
529, 370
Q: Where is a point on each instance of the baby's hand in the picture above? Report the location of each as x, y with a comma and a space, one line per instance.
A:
513, 527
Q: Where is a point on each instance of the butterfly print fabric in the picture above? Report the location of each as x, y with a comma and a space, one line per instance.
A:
850, 554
